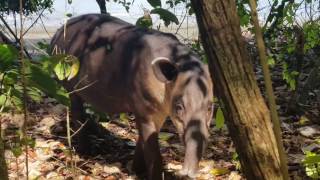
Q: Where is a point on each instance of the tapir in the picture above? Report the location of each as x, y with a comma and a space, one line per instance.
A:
125, 68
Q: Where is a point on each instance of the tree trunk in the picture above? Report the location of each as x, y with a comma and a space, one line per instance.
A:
248, 118
102, 6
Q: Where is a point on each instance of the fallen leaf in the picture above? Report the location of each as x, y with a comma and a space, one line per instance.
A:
219, 171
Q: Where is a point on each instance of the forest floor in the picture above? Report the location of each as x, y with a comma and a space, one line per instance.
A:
50, 158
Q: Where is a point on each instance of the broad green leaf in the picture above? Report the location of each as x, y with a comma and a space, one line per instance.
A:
74, 69
62, 70
42, 80
166, 16
64, 66
16, 99
219, 119
34, 94
245, 20
11, 77
8, 55
155, 3
3, 98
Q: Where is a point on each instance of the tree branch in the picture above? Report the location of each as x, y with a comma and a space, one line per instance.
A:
14, 36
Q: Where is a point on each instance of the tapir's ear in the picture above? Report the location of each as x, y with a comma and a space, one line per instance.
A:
164, 70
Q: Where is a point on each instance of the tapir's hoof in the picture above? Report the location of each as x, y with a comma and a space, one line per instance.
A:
139, 167
188, 174
83, 146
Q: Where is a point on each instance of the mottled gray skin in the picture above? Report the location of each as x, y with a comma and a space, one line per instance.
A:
149, 73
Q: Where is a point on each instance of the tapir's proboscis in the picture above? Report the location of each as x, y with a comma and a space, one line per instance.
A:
124, 68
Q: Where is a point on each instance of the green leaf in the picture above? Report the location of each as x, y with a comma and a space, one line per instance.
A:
312, 159
8, 55
74, 68
271, 61
166, 16
17, 150
124, 118
2, 100
64, 66
312, 164
28, 141
219, 119
40, 79
62, 70
165, 136
16, 99
245, 20
69, 15
219, 171
155, 3
34, 94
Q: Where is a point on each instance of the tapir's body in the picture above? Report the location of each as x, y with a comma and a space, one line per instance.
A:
129, 69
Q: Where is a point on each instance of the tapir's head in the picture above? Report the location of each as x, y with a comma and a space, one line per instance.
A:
191, 106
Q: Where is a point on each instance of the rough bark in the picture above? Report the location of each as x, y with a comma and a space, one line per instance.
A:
248, 118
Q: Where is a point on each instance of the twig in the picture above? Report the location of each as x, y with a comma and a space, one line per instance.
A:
34, 22
82, 125
37, 48
44, 27
80, 89
14, 36
82, 79
184, 17
15, 23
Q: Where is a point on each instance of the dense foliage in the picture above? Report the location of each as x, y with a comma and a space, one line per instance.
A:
29, 6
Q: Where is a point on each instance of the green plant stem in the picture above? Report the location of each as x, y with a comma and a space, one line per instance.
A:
269, 90
25, 112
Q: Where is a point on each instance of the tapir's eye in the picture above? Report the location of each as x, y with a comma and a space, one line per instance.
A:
210, 106
179, 109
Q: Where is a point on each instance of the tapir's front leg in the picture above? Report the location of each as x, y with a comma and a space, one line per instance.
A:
148, 146
77, 119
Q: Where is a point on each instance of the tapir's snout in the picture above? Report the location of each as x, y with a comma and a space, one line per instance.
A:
195, 138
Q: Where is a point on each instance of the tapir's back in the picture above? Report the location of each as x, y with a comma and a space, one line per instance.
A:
115, 61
